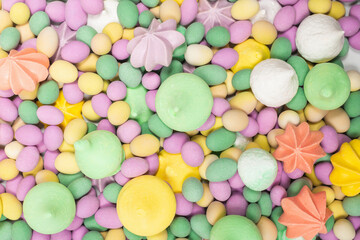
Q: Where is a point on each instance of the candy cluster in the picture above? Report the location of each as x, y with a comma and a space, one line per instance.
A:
179, 119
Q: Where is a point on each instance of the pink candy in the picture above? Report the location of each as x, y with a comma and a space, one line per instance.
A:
174, 143
39, 236
150, 100
92, 6
27, 159
6, 133
49, 160
350, 25
56, 11
236, 205
63, 235
189, 9
24, 187
53, 137
287, 2
29, 135
221, 191
355, 11
75, 16
285, 18
291, 35
12, 185
36, 5
153, 162
79, 233
8, 110
183, 206
151, 80
208, 124
330, 141
134, 167
226, 58
128, 131
87, 206
276, 194
50, 115
76, 223
252, 128
322, 172
105, 124
301, 10
75, 51
240, 31
266, 120
101, 103
116, 91
354, 41
108, 217
192, 154
7, 4
119, 49
220, 107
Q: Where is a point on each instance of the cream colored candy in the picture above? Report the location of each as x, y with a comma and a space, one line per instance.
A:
198, 55
26, 95
90, 83
8, 169
17, 123
344, 230
144, 145
88, 112
63, 71
5, 20
244, 101
47, 41
25, 32
215, 211
271, 136
264, 32
338, 119
101, 44
288, 116
155, 11
235, 120
13, 149
354, 80
314, 114
339, 195
267, 228
65, 163
207, 161
45, 176
244, 9
75, 130
12, 208
232, 153
219, 91
207, 197
170, 10
118, 113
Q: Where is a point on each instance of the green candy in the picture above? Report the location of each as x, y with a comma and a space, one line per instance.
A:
2, 218
330, 223
107, 67
300, 66
145, 18
91, 224
180, 227
9, 38
179, 52
145, 128
326, 158
194, 33
265, 204
135, 97
170, 235
212, 74
93, 235
48, 92
192, 189
85, 34
159, 128
234, 227
352, 104
241, 79
251, 195
5, 230
338, 62
354, 130
253, 212
218, 36
150, 3
21, 231
296, 186
49, 208
127, 13
132, 236
220, 140
66, 179
221, 169
184, 102
281, 49
27, 112
322, 86
111, 192
345, 49
200, 225
299, 101
38, 22
181, 29
99, 154
91, 127
174, 67
129, 75
275, 215
193, 236
351, 205
80, 187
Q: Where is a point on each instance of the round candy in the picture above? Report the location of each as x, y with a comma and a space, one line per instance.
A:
184, 102
49, 208
322, 86
146, 205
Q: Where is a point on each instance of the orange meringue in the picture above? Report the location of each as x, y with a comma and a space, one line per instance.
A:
23, 70
299, 148
305, 215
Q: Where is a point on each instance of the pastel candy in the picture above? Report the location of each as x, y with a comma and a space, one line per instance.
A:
75, 16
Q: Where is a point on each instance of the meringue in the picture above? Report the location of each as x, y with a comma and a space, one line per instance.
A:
108, 15
274, 82
268, 10
319, 38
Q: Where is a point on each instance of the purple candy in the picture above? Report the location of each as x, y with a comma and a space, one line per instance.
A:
225, 57
17, 101
25, 185
209, 123
93, 7
287, 2
189, 9
6, 93
151, 80
252, 128
105, 124
119, 49
2, 155
266, 120
328, 236
6, 133
153, 162
50, 115
116, 90
278, 176
134, 167
75, 51
240, 31
75, 16
87, 206
29, 135
192, 154
79, 233
107, 217
121, 179
297, 173
76, 223
2, 188
49, 160
197, 210
53, 137
236, 183
39, 236
291, 35
150, 100
350, 25
330, 142
12, 185
221, 191
8, 110
31, 43
56, 11
301, 11
236, 205
355, 222
354, 41
355, 11
285, 181
183, 206
285, 18
63, 235
276, 194
72, 93
36, 5
174, 143
220, 106
7, 4
27, 159
342, 138
101, 103
322, 172
128, 131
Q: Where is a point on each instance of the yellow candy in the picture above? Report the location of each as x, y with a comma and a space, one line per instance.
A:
215, 211
90, 83
316, 126
232, 153
75, 130
128, 33
339, 195
65, 163
65, 147
338, 210
346, 170
5, 20
330, 195
261, 140
315, 181
146, 205
3, 54
13, 149
70, 111
205, 164
25, 32
207, 197
19, 13
45, 176
118, 113
198, 55
244, 9
8, 169
88, 64
12, 208
170, 10
302, 115
201, 140
228, 83
288, 116
354, 77
319, 6
114, 31
38, 167
252, 145
218, 124
160, 236
127, 151
264, 32
235, 120
101, 44
250, 53
219, 91
144, 145
259, 106
174, 170
244, 101
338, 119
63, 71
47, 41
105, 85
337, 10
26, 95
115, 234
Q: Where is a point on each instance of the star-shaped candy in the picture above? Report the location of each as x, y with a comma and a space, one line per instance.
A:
70, 111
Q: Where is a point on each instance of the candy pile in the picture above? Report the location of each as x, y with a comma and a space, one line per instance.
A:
179, 119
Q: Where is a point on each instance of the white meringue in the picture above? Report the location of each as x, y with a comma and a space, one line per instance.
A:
268, 10
108, 15
274, 82
319, 38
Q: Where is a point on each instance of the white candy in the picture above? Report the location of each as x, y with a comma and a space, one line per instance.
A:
274, 82
108, 15
319, 38
268, 10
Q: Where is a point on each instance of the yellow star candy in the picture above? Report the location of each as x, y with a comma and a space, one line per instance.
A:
70, 111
